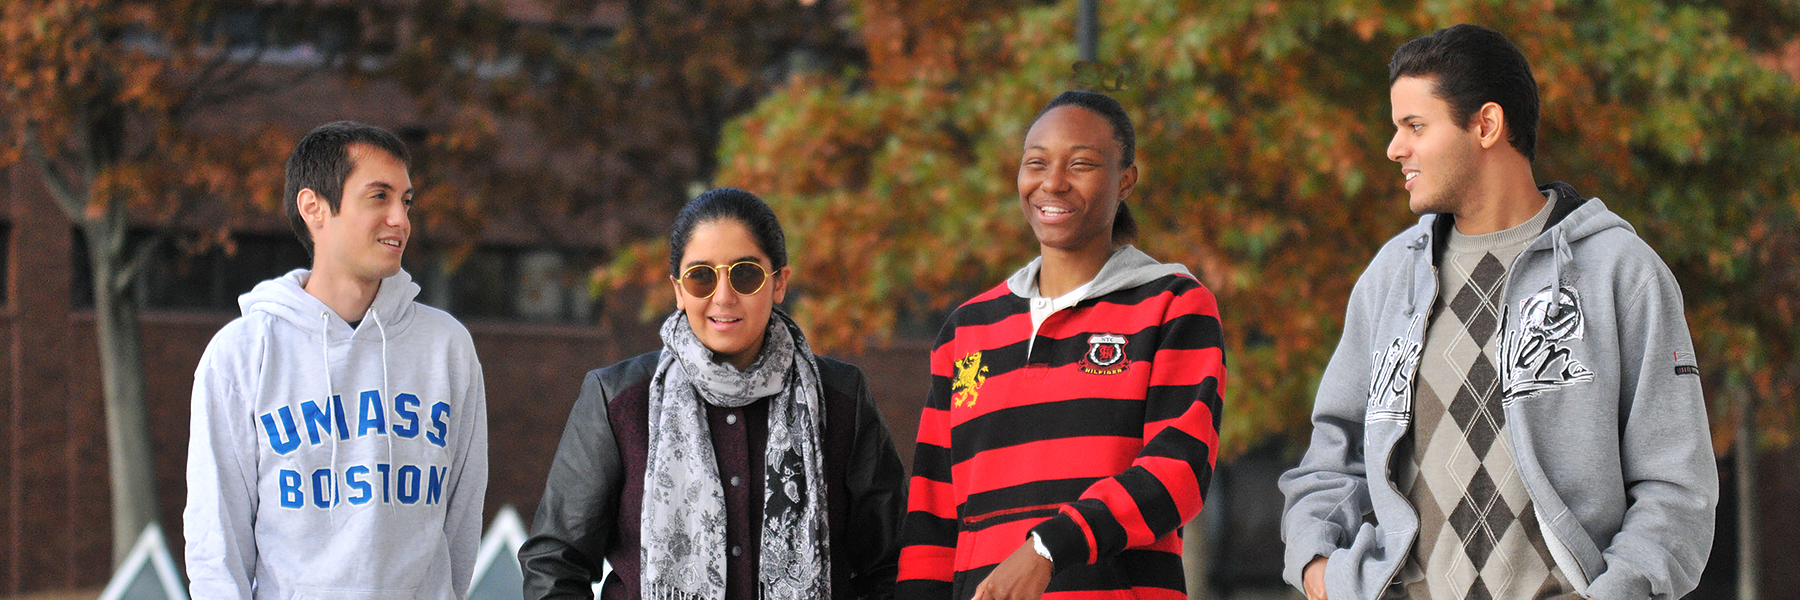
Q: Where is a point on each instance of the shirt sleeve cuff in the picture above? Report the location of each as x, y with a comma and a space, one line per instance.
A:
1064, 539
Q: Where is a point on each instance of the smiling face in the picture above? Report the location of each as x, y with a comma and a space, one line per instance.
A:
1437, 154
1071, 179
729, 323
363, 240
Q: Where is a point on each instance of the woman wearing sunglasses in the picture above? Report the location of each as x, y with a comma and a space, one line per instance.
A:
733, 463
1073, 416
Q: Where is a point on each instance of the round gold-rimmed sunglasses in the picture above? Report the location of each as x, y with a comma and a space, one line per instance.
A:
747, 277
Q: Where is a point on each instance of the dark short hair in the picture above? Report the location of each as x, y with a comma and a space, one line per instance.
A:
728, 203
1124, 226
321, 162
1472, 66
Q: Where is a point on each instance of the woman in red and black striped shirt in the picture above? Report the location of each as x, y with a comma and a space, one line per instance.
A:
1072, 423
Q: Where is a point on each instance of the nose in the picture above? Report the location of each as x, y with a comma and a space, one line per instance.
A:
399, 216
1396, 150
724, 295
1056, 179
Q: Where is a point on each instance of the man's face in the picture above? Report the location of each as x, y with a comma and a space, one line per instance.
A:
366, 236
1436, 152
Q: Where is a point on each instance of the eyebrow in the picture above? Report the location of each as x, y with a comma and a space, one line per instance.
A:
1074, 147
1404, 119
383, 185
693, 263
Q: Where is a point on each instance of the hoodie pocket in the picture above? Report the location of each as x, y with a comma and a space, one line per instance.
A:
319, 593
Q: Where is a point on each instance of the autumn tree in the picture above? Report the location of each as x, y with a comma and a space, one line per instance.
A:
139, 115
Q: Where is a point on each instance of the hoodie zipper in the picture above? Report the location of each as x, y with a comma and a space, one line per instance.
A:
1505, 291
1387, 469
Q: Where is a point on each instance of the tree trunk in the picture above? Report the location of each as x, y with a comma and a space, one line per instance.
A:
130, 463
1749, 542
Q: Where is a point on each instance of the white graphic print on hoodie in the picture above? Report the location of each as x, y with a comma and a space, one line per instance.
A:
330, 462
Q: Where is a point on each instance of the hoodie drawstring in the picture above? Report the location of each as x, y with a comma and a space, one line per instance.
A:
1563, 263
325, 350
1412, 273
385, 392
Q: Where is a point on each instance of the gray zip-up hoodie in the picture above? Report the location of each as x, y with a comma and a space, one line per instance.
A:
1601, 396
330, 462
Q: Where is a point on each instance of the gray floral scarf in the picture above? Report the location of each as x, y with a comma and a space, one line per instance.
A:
683, 525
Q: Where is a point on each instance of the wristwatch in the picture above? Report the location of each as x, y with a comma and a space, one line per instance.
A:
1037, 543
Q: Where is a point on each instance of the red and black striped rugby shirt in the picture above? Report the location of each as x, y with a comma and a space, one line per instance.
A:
1102, 441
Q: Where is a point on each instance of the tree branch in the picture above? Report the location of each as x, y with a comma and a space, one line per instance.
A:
140, 256
73, 205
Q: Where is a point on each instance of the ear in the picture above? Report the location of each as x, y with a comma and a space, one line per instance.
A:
312, 208
1127, 181
780, 281
680, 296
1490, 125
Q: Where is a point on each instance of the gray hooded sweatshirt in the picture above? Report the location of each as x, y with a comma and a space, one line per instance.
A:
1601, 396
330, 462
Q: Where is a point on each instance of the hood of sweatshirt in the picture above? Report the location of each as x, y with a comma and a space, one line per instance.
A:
1572, 219
1127, 267
286, 298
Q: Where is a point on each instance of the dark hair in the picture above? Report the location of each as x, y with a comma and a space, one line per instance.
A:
321, 162
1474, 65
728, 203
1124, 227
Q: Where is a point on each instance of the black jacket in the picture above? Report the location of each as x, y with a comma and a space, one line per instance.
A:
593, 498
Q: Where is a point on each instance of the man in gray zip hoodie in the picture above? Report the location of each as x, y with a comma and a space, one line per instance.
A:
1514, 409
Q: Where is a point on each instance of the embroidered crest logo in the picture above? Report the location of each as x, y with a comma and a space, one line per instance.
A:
1537, 354
966, 380
1105, 355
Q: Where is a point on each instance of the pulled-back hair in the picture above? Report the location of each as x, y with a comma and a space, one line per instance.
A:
727, 203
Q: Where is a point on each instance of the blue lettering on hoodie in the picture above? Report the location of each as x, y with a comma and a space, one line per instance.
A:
292, 441
385, 471
409, 495
316, 417
321, 479
372, 415
365, 492
438, 412
291, 496
406, 407
434, 490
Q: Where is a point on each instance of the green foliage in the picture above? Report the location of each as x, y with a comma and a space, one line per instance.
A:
1262, 132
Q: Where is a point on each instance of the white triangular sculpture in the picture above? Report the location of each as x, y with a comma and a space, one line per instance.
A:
497, 575
148, 572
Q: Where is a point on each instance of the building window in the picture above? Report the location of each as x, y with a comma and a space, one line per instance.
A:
181, 276
510, 283
504, 283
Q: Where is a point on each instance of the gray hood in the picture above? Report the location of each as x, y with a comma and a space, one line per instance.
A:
285, 298
1128, 267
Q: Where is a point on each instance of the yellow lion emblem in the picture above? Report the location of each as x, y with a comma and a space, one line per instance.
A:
967, 381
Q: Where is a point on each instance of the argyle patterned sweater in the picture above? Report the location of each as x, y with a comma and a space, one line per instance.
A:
1102, 440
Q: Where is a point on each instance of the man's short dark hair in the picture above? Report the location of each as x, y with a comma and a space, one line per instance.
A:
321, 162
1472, 66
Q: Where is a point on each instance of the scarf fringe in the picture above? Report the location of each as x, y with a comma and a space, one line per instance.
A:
663, 591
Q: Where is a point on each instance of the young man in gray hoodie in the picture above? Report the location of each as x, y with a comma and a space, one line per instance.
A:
339, 439
1514, 410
